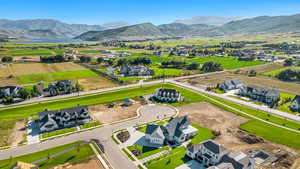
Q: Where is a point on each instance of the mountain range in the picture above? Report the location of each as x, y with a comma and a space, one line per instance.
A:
37, 28
208, 27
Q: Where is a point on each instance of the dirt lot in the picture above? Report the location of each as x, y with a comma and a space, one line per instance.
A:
89, 164
264, 68
94, 83
234, 139
105, 115
263, 81
18, 133
27, 58
34, 68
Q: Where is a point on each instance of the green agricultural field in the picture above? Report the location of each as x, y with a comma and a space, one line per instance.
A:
120, 48
48, 77
34, 52
74, 156
227, 62
276, 72
90, 51
272, 133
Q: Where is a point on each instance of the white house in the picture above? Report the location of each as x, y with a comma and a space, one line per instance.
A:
52, 120
295, 105
177, 131
155, 134
214, 156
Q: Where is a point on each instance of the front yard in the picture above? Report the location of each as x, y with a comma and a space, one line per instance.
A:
145, 151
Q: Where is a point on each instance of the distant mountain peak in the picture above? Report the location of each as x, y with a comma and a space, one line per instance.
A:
207, 20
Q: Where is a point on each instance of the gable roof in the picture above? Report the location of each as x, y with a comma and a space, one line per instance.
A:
297, 99
175, 123
238, 160
214, 146
155, 131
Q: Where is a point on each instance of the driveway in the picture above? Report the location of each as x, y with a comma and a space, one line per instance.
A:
191, 165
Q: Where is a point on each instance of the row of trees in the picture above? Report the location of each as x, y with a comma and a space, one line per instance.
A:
206, 67
55, 59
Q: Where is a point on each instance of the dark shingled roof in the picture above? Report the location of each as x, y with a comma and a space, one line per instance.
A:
213, 146
151, 128
175, 123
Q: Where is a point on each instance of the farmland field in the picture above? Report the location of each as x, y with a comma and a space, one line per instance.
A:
34, 52
37, 68
90, 51
48, 77
227, 62
275, 72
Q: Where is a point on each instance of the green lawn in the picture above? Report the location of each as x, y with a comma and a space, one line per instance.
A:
272, 133
275, 72
131, 78
167, 72
202, 134
227, 62
48, 77
57, 132
175, 158
89, 125
147, 151
73, 156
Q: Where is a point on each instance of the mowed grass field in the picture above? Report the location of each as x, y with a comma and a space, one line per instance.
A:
55, 76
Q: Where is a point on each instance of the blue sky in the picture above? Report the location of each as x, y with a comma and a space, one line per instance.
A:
139, 11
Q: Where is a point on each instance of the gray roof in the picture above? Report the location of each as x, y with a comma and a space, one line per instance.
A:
77, 109
237, 164
175, 123
214, 146
151, 128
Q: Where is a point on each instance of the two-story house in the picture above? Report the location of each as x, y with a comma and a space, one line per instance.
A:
230, 85
177, 131
167, 95
295, 105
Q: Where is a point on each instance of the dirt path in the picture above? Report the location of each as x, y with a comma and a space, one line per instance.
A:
18, 133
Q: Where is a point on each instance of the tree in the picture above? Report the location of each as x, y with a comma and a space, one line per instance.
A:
211, 67
252, 73
85, 59
100, 60
121, 62
7, 59
25, 94
193, 66
288, 62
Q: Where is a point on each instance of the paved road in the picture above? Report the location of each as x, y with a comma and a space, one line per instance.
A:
252, 105
118, 160
95, 92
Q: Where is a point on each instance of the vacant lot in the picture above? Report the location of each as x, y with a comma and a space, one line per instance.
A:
264, 68
209, 116
91, 163
120, 111
228, 124
263, 81
93, 83
48, 77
